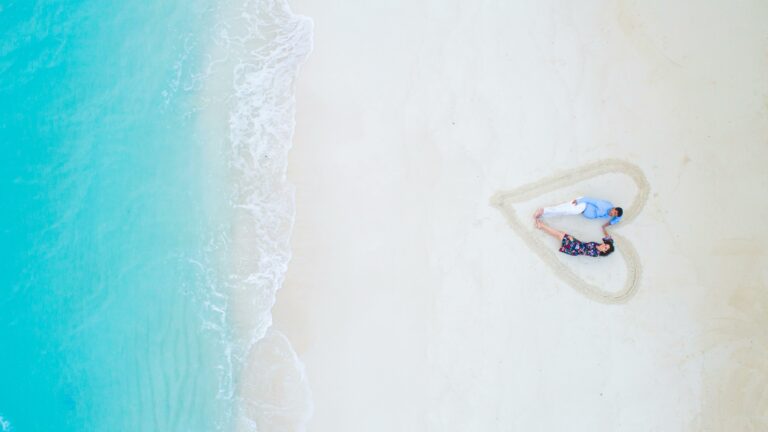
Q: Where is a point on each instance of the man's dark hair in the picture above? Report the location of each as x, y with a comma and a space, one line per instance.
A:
610, 248
619, 211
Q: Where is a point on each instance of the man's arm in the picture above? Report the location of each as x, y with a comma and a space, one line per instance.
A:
595, 202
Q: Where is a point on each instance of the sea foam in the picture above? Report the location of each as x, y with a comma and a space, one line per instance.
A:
247, 109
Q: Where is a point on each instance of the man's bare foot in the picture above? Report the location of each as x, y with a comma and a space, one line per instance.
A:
537, 214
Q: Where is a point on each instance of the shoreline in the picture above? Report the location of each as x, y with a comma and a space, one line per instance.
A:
247, 114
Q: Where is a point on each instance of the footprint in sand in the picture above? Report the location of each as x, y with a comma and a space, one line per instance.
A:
506, 200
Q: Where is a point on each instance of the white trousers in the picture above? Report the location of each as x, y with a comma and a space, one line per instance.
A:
564, 209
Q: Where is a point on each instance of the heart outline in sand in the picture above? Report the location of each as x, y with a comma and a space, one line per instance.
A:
505, 200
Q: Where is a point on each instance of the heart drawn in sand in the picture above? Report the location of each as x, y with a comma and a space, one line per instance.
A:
505, 201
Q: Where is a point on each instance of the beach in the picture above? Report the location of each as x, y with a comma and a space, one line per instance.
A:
414, 304
284, 215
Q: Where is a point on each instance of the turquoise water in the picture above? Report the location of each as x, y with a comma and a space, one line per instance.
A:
146, 216
106, 206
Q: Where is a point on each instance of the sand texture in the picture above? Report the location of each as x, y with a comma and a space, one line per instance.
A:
413, 305
505, 201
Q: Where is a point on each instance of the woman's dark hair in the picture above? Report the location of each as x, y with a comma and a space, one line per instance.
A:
619, 211
610, 248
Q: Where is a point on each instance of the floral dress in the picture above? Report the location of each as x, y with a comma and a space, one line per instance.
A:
571, 246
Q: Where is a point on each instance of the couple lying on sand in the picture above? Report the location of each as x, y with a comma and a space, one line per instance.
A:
589, 208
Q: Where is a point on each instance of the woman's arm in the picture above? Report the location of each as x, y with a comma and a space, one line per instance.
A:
551, 231
605, 231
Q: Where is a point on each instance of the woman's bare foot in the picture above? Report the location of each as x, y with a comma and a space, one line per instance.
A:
537, 214
539, 223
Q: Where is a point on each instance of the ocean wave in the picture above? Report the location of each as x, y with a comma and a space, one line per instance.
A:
5, 425
247, 85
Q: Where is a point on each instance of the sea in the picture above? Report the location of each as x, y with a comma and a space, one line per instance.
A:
145, 215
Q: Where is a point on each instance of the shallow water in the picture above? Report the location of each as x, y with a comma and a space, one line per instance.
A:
116, 213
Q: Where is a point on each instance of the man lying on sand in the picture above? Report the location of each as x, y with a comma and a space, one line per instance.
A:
588, 207
571, 246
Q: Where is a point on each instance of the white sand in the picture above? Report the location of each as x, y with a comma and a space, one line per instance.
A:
413, 303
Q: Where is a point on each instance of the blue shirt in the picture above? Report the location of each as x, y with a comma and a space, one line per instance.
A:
598, 209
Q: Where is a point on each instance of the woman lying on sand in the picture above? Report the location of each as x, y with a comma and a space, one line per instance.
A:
571, 246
